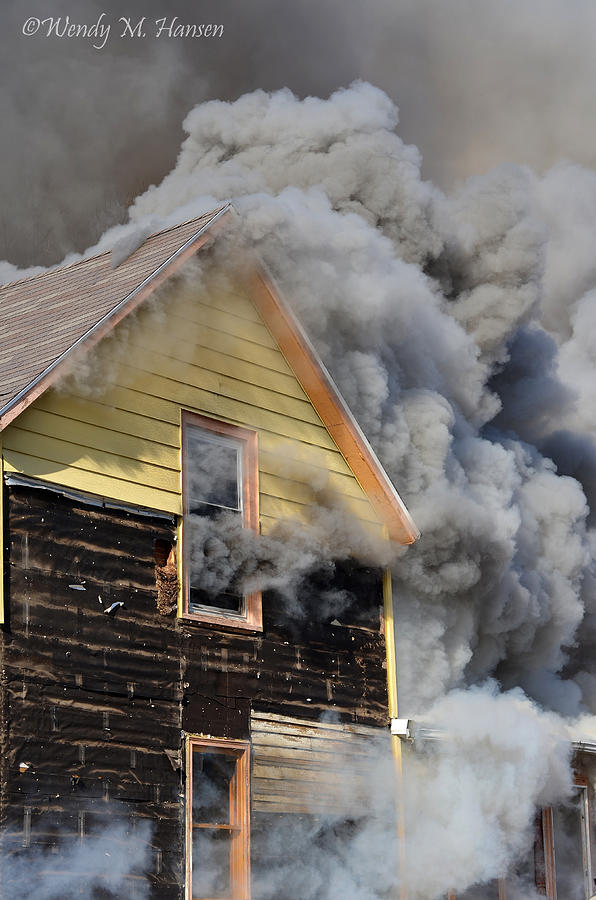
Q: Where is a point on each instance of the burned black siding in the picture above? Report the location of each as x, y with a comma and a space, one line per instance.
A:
94, 706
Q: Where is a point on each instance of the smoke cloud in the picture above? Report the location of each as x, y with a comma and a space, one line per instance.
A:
85, 130
458, 328
112, 860
415, 300
444, 320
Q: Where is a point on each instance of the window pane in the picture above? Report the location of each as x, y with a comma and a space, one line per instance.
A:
569, 851
225, 601
488, 891
213, 572
212, 471
211, 777
211, 863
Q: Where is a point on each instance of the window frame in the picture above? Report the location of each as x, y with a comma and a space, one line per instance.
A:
581, 783
252, 618
240, 851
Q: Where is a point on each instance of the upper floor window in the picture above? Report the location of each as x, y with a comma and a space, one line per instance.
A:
220, 483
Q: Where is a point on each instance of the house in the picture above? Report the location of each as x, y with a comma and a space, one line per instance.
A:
157, 432
559, 865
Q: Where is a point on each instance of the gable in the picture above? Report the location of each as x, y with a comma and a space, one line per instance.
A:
111, 427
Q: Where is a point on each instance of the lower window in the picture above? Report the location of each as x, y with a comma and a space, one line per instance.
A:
218, 847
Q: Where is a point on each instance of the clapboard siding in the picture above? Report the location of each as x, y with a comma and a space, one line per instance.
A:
160, 420
310, 768
214, 358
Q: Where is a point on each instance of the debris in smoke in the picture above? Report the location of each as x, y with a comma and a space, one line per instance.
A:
110, 611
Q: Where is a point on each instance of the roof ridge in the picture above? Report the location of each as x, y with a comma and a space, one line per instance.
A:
50, 270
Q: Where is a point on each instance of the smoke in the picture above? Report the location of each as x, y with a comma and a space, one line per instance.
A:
414, 300
85, 130
471, 795
458, 329
348, 852
225, 557
442, 319
113, 860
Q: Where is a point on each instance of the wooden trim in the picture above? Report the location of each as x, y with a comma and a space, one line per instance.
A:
548, 836
331, 407
252, 620
396, 748
2, 614
582, 781
239, 811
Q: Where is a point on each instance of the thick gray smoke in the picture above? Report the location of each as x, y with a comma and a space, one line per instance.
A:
415, 301
452, 331
458, 330
84, 130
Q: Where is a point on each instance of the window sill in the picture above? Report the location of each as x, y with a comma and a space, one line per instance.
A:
252, 623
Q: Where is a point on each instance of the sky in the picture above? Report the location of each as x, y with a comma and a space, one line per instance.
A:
84, 130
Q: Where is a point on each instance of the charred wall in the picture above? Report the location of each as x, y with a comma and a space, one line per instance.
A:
95, 704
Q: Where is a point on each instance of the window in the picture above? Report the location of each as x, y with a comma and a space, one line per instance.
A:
572, 846
218, 848
220, 485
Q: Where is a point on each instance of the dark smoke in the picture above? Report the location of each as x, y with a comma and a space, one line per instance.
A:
84, 131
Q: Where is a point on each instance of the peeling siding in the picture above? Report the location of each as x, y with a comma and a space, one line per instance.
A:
209, 354
308, 767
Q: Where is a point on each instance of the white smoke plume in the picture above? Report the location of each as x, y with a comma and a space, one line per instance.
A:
110, 862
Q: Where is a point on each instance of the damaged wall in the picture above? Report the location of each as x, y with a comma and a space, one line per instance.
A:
98, 703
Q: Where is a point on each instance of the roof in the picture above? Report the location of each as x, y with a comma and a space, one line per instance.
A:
45, 319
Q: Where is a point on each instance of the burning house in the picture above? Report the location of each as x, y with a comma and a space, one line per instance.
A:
197, 666
184, 673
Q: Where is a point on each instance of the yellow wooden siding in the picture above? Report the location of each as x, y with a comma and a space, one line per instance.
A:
113, 428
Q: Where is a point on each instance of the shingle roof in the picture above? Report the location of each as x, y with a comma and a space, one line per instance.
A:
42, 317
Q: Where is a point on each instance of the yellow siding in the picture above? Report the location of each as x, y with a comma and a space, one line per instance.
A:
112, 427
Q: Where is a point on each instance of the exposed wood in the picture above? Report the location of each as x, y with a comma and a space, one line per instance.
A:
318, 768
107, 698
167, 583
550, 878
